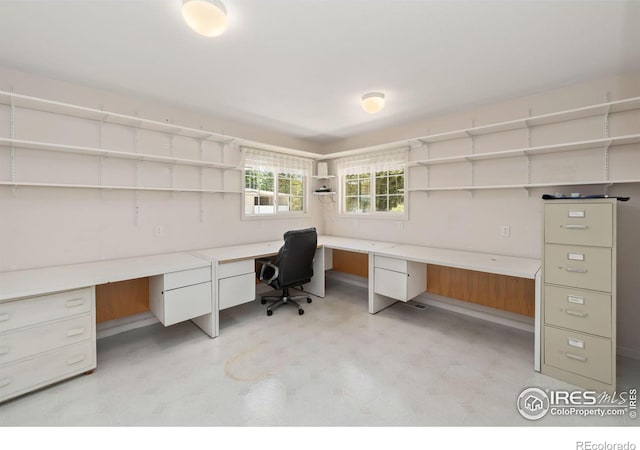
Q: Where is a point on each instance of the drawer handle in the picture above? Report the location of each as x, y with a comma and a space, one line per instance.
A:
74, 302
75, 360
576, 357
575, 313
576, 227
4, 351
575, 270
6, 381
4, 317
75, 332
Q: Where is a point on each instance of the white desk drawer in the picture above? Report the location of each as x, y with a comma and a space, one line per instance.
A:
235, 268
398, 265
31, 341
184, 278
578, 353
29, 374
579, 224
391, 283
585, 311
20, 313
578, 266
185, 303
236, 290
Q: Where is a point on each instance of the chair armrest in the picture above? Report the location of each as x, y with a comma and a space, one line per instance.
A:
268, 264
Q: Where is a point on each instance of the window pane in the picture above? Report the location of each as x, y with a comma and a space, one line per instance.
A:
296, 186
381, 185
365, 186
296, 204
365, 204
396, 203
351, 187
381, 203
284, 185
351, 204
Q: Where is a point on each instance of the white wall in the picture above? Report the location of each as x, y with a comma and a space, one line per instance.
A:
472, 221
50, 226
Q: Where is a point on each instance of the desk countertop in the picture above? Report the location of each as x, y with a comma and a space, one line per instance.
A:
26, 283
482, 262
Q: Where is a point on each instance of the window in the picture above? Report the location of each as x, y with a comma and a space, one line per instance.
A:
274, 184
373, 183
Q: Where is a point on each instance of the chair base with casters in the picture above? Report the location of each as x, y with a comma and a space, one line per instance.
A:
285, 299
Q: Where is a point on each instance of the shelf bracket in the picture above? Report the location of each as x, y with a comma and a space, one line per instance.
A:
606, 116
201, 180
136, 139
12, 134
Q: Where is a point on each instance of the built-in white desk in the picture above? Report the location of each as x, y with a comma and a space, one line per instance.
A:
47, 315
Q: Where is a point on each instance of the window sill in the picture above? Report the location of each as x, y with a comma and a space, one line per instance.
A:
375, 216
281, 216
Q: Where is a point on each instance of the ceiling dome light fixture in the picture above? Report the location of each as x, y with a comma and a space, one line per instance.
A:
205, 17
373, 102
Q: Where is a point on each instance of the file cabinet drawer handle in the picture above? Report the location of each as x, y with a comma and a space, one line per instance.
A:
75, 360
575, 313
6, 381
75, 332
576, 357
575, 270
4, 350
576, 227
74, 302
4, 317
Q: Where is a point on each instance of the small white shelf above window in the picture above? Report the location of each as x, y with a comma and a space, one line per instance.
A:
18, 143
324, 177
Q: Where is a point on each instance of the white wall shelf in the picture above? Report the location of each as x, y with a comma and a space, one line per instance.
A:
534, 121
122, 188
526, 151
521, 186
34, 145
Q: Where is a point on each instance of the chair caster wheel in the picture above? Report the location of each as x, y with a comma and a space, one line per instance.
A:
264, 302
308, 300
269, 312
301, 311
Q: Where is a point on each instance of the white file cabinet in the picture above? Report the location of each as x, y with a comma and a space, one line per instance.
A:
579, 295
236, 283
398, 278
178, 296
46, 339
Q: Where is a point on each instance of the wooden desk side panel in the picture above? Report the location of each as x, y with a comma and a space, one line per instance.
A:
513, 294
353, 263
121, 299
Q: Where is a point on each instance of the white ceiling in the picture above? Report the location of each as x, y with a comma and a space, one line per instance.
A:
301, 66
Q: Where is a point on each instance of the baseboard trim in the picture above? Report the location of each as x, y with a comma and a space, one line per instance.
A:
627, 352
117, 326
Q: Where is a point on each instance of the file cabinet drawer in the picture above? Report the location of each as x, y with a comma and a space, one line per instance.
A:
579, 353
33, 373
31, 341
20, 313
236, 290
578, 266
235, 268
585, 311
579, 224
178, 305
174, 280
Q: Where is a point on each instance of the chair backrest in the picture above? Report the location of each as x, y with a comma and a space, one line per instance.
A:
295, 259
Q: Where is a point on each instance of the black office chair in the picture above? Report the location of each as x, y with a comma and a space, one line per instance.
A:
292, 267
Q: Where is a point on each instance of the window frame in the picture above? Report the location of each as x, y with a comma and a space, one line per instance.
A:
373, 213
275, 194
